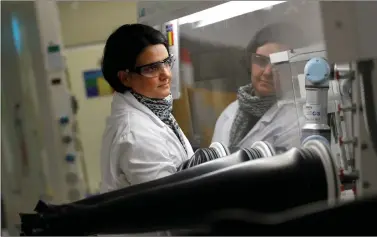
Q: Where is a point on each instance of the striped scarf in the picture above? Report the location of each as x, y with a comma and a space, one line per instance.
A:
251, 109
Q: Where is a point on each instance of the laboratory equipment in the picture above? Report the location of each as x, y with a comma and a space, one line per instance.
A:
298, 178
37, 118
58, 89
320, 91
218, 150
307, 174
316, 76
317, 72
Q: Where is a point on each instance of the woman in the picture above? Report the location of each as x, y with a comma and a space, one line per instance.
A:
254, 116
142, 140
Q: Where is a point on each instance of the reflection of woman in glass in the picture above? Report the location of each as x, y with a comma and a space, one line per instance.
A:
254, 116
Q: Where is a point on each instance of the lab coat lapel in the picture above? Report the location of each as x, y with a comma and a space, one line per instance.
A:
261, 124
131, 100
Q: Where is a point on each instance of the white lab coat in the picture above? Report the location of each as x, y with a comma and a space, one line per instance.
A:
280, 126
137, 146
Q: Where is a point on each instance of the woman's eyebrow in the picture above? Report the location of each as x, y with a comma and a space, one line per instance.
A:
260, 55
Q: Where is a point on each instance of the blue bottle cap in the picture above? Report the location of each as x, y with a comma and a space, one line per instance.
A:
70, 158
64, 120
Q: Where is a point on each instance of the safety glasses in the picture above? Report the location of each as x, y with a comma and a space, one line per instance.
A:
154, 69
260, 60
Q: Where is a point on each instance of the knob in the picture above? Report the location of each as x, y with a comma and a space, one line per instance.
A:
70, 158
64, 120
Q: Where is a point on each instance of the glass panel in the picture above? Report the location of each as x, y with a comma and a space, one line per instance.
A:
223, 57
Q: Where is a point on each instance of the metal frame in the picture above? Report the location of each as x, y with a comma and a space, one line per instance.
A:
349, 37
365, 155
348, 30
299, 55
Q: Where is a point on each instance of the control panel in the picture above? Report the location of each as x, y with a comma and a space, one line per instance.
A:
64, 173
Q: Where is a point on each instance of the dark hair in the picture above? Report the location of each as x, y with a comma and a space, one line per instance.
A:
282, 33
122, 49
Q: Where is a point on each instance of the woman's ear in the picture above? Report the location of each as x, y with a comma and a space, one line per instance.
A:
124, 77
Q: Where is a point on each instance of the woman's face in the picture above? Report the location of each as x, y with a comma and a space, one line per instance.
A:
262, 74
152, 74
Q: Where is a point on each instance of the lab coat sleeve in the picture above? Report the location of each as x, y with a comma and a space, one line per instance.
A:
290, 137
224, 123
145, 157
220, 133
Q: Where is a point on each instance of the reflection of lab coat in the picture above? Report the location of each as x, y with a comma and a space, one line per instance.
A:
137, 146
279, 126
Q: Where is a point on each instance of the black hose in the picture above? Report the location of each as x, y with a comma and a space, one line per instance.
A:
185, 173
181, 202
201, 156
318, 220
253, 153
